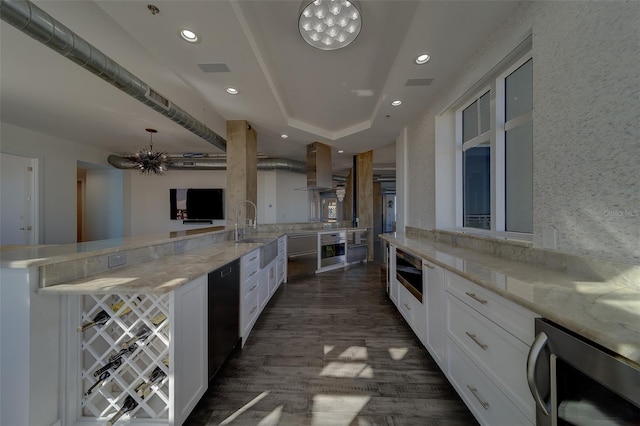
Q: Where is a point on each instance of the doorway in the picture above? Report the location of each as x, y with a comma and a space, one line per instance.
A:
18, 200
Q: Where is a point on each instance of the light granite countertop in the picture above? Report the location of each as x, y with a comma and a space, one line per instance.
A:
606, 313
157, 276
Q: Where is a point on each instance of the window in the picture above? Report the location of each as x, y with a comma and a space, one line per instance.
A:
476, 163
495, 133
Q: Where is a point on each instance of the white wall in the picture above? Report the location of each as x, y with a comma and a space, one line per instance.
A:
57, 177
149, 198
103, 215
586, 125
292, 204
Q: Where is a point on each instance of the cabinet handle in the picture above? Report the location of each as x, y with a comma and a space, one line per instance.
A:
253, 310
475, 339
253, 273
408, 307
254, 286
476, 298
536, 348
474, 391
428, 266
253, 258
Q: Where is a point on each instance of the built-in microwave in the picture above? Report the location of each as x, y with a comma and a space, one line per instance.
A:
409, 272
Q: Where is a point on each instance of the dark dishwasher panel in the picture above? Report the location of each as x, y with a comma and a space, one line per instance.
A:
224, 314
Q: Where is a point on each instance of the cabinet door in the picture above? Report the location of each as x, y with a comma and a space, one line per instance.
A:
263, 287
436, 314
189, 347
393, 282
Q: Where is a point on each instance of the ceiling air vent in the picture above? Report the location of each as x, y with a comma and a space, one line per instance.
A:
419, 82
188, 163
157, 98
211, 68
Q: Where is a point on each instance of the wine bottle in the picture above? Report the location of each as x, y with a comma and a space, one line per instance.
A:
143, 331
128, 405
104, 376
115, 360
156, 376
102, 317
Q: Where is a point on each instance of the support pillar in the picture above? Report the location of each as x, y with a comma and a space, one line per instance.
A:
364, 203
242, 171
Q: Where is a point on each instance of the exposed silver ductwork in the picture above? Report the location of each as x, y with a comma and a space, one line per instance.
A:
182, 163
36, 23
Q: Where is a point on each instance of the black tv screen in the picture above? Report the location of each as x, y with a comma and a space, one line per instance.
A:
197, 203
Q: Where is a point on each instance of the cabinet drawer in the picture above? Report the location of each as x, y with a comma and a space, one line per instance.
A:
484, 399
250, 264
514, 318
499, 355
249, 287
249, 312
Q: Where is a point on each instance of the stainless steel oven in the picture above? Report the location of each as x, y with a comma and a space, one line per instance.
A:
576, 382
332, 248
409, 272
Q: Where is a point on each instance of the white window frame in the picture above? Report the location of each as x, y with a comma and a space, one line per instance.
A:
496, 85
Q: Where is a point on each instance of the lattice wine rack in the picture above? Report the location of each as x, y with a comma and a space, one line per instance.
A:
125, 356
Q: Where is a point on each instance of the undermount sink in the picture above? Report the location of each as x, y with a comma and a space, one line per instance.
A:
268, 251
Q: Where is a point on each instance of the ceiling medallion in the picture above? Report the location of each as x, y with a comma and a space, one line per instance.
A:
329, 24
149, 161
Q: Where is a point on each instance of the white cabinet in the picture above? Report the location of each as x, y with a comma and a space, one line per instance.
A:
249, 299
413, 311
188, 330
434, 292
281, 260
393, 281
105, 365
495, 334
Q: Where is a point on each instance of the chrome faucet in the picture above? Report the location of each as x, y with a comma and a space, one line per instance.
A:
249, 222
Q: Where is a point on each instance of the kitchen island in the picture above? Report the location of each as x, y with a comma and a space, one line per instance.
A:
158, 282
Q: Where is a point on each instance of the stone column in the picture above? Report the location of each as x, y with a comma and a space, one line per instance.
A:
364, 204
242, 171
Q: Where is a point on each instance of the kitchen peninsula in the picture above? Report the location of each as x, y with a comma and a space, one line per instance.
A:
154, 291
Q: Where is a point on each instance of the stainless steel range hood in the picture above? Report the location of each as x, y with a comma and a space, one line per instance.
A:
319, 176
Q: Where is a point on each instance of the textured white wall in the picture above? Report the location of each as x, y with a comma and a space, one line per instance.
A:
586, 124
103, 216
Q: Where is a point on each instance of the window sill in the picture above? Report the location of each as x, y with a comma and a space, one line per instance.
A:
513, 238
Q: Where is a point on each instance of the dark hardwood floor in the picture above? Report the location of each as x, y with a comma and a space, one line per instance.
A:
331, 350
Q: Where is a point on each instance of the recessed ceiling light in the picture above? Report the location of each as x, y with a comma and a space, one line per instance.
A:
422, 59
340, 151
189, 35
232, 90
283, 136
396, 103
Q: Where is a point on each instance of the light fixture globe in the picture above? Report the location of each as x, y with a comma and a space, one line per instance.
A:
329, 24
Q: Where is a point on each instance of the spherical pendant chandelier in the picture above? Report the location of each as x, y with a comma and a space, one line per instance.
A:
329, 24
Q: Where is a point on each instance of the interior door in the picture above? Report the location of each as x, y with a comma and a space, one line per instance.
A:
18, 209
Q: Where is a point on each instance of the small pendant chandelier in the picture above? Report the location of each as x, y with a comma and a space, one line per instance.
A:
149, 161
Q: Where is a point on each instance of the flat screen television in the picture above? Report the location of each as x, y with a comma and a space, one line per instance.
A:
196, 203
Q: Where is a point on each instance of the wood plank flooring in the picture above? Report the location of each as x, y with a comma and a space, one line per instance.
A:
331, 350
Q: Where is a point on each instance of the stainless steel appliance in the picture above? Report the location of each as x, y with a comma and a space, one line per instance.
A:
224, 314
302, 254
576, 382
409, 272
332, 248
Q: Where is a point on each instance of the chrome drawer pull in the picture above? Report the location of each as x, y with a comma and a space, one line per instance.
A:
253, 258
253, 273
428, 266
476, 298
474, 391
408, 307
253, 310
475, 339
254, 286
